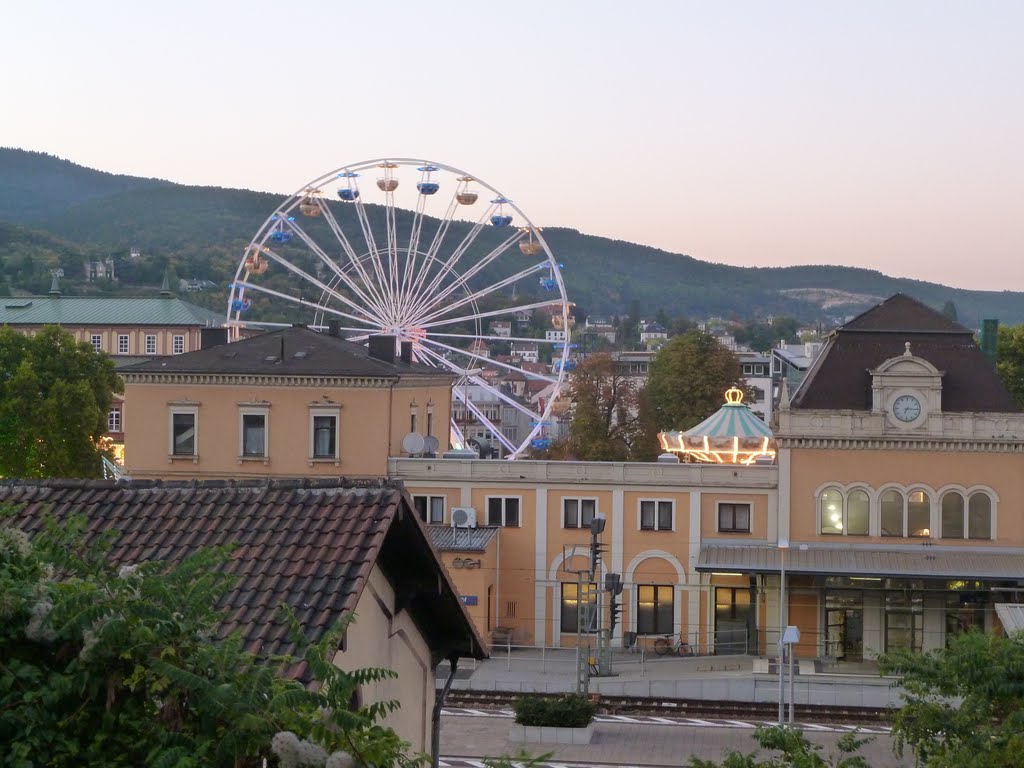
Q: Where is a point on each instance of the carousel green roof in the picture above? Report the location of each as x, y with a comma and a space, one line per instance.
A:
731, 435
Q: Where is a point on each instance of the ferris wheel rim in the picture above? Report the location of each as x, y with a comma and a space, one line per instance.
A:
374, 324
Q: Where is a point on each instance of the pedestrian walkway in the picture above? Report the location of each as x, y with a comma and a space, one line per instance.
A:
708, 678
633, 744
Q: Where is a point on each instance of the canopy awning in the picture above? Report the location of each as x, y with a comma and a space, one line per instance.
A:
1011, 616
930, 562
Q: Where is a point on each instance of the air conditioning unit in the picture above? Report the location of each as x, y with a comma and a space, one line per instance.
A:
463, 517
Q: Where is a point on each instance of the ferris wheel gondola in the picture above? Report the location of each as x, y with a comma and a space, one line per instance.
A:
403, 261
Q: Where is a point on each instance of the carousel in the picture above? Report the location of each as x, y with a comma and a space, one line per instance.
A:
732, 435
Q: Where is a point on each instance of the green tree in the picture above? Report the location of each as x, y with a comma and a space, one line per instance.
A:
54, 398
964, 704
949, 311
686, 384
604, 412
1010, 361
795, 752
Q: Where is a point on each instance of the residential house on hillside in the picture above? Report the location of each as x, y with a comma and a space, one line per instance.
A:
757, 372
652, 334
291, 403
323, 548
790, 363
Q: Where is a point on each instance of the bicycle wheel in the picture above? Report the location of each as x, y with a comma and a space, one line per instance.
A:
662, 646
685, 649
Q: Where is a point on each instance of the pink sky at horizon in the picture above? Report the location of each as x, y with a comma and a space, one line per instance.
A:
879, 135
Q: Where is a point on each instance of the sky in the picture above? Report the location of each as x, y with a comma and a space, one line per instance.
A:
885, 135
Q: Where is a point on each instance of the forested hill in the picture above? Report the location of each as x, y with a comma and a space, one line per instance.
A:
66, 211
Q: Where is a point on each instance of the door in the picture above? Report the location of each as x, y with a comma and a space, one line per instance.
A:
844, 625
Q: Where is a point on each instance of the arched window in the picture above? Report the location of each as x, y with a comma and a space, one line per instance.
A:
892, 513
919, 513
979, 516
831, 508
858, 509
952, 515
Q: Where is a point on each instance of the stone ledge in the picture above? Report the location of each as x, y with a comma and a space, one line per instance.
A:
533, 734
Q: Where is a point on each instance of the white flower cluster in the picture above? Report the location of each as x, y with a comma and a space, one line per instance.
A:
14, 543
126, 572
38, 628
293, 752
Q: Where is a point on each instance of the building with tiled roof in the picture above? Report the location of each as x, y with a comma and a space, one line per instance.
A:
324, 548
289, 403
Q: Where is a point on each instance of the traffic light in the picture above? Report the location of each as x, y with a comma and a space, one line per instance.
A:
613, 583
596, 550
614, 609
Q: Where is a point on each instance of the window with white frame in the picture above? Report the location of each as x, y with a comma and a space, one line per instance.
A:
655, 609
570, 617
184, 431
253, 433
323, 433
905, 514
971, 520
97, 342
657, 515
123, 343
733, 517
429, 508
114, 419
150, 344
840, 515
578, 513
503, 511
177, 345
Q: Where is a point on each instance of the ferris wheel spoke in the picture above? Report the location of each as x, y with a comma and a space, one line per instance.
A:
463, 279
491, 337
326, 289
385, 284
489, 425
354, 259
489, 361
410, 275
327, 260
472, 298
423, 294
305, 303
491, 313
506, 398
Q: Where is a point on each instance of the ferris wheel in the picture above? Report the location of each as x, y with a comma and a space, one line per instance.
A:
433, 256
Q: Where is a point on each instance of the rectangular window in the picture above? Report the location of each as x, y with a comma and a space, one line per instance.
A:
412, 422
578, 513
655, 609
97, 342
748, 370
150, 344
429, 508
254, 434
572, 620
656, 515
183, 433
503, 511
734, 518
123, 343
177, 345
430, 422
114, 420
325, 436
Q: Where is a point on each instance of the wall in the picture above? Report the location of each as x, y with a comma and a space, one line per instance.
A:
477, 581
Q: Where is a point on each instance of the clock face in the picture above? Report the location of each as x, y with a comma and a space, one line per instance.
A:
906, 408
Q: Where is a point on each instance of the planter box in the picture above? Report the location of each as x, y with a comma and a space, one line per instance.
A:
533, 734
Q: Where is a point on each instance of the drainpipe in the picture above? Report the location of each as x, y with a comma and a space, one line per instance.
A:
391, 405
497, 577
439, 699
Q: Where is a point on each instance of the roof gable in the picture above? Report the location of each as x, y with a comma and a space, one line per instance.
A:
310, 544
901, 313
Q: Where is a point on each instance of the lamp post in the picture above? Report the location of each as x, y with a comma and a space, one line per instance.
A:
783, 546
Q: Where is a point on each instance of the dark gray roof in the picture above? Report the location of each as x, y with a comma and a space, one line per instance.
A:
846, 560
287, 352
448, 539
840, 378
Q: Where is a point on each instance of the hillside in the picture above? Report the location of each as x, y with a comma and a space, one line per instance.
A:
201, 232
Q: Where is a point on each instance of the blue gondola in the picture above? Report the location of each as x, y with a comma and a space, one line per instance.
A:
548, 283
240, 305
281, 236
348, 194
499, 220
428, 187
541, 443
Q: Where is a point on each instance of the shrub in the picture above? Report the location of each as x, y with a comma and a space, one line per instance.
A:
568, 711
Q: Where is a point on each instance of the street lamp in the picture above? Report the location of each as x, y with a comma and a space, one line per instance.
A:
783, 546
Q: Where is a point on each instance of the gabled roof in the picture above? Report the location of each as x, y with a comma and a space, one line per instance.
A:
840, 377
287, 352
310, 544
91, 310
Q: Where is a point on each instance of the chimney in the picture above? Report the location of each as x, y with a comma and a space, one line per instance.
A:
334, 327
407, 352
212, 337
990, 338
383, 348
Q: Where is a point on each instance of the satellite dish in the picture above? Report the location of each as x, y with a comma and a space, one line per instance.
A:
413, 443
431, 444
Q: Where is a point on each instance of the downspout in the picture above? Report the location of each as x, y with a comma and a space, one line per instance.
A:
439, 700
497, 579
391, 405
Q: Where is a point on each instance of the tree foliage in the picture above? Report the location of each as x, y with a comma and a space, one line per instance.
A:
964, 704
1010, 361
604, 412
686, 383
762, 336
795, 752
54, 398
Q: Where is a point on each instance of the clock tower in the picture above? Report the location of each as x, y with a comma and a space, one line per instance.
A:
907, 392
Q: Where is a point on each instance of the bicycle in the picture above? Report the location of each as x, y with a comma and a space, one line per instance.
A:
670, 644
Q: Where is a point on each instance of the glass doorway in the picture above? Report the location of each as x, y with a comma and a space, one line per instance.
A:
844, 625
734, 620
904, 620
